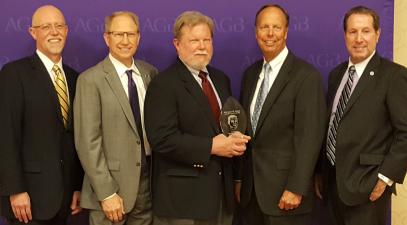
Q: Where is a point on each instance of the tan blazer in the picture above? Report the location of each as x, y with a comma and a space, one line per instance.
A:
106, 138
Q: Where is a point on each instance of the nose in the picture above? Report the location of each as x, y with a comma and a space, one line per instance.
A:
359, 37
125, 39
270, 32
201, 44
54, 30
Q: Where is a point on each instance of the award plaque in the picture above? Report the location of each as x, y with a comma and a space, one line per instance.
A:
233, 117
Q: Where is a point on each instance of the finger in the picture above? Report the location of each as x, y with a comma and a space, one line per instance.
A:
122, 205
281, 205
287, 206
318, 192
373, 197
14, 211
18, 214
120, 214
77, 210
28, 212
115, 217
23, 215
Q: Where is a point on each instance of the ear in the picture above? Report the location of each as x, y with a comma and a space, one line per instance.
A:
176, 43
378, 35
106, 38
33, 33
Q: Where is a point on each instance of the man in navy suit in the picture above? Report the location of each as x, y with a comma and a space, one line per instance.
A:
41, 175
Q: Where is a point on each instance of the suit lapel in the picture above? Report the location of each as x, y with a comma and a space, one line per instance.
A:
115, 84
45, 81
365, 81
280, 82
144, 73
195, 90
333, 88
70, 79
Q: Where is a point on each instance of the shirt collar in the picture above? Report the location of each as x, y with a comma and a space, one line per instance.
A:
121, 68
360, 67
48, 62
278, 60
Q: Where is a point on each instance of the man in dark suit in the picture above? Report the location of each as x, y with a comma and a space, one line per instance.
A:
42, 176
192, 173
366, 146
284, 97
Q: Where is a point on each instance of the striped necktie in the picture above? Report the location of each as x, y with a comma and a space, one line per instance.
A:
340, 109
60, 87
261, 96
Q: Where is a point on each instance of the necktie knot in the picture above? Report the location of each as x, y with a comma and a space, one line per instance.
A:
55, 68
352, 71
202, 75
129, 74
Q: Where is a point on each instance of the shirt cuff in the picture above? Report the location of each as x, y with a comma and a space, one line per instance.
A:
386, 180
108, 197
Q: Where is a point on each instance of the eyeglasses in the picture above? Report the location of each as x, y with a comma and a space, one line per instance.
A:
120, 35
48, 27
267, 28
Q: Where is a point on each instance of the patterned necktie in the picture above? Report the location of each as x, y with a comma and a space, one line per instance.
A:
135, 108
340, 109
60, 87
210, 94
261, 96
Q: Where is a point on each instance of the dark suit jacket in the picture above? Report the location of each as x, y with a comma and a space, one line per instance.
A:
372, 134
290, 131
188, 182
37, 152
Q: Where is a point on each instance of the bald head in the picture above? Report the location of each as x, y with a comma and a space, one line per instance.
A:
46, 13
49, 30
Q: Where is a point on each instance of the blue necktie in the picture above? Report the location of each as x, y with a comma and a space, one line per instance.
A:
135, 107
261, 96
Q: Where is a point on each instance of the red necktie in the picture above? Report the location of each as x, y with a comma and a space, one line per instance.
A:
210, 94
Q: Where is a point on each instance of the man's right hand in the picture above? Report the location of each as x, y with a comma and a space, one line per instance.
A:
21, 205
233, 145
113, 208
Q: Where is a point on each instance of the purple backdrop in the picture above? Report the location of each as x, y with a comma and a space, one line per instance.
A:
315, 32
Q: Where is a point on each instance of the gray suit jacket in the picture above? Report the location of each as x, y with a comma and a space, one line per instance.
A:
107, 140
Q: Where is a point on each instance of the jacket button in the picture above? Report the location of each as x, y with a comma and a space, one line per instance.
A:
138, 142
138, 164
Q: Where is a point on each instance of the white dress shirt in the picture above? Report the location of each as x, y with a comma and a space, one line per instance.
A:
141, 91
49, 65
275, 66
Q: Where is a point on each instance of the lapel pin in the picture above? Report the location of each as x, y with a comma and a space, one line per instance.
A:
371, 73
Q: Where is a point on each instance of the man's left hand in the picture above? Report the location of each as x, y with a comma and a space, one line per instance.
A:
378, 190
75, 203
289, 200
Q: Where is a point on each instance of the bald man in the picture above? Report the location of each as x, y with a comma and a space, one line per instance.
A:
41, 174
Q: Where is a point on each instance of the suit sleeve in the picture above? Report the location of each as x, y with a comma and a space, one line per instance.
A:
395, 161
162, 128
88, 137
11, 120
309, 130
